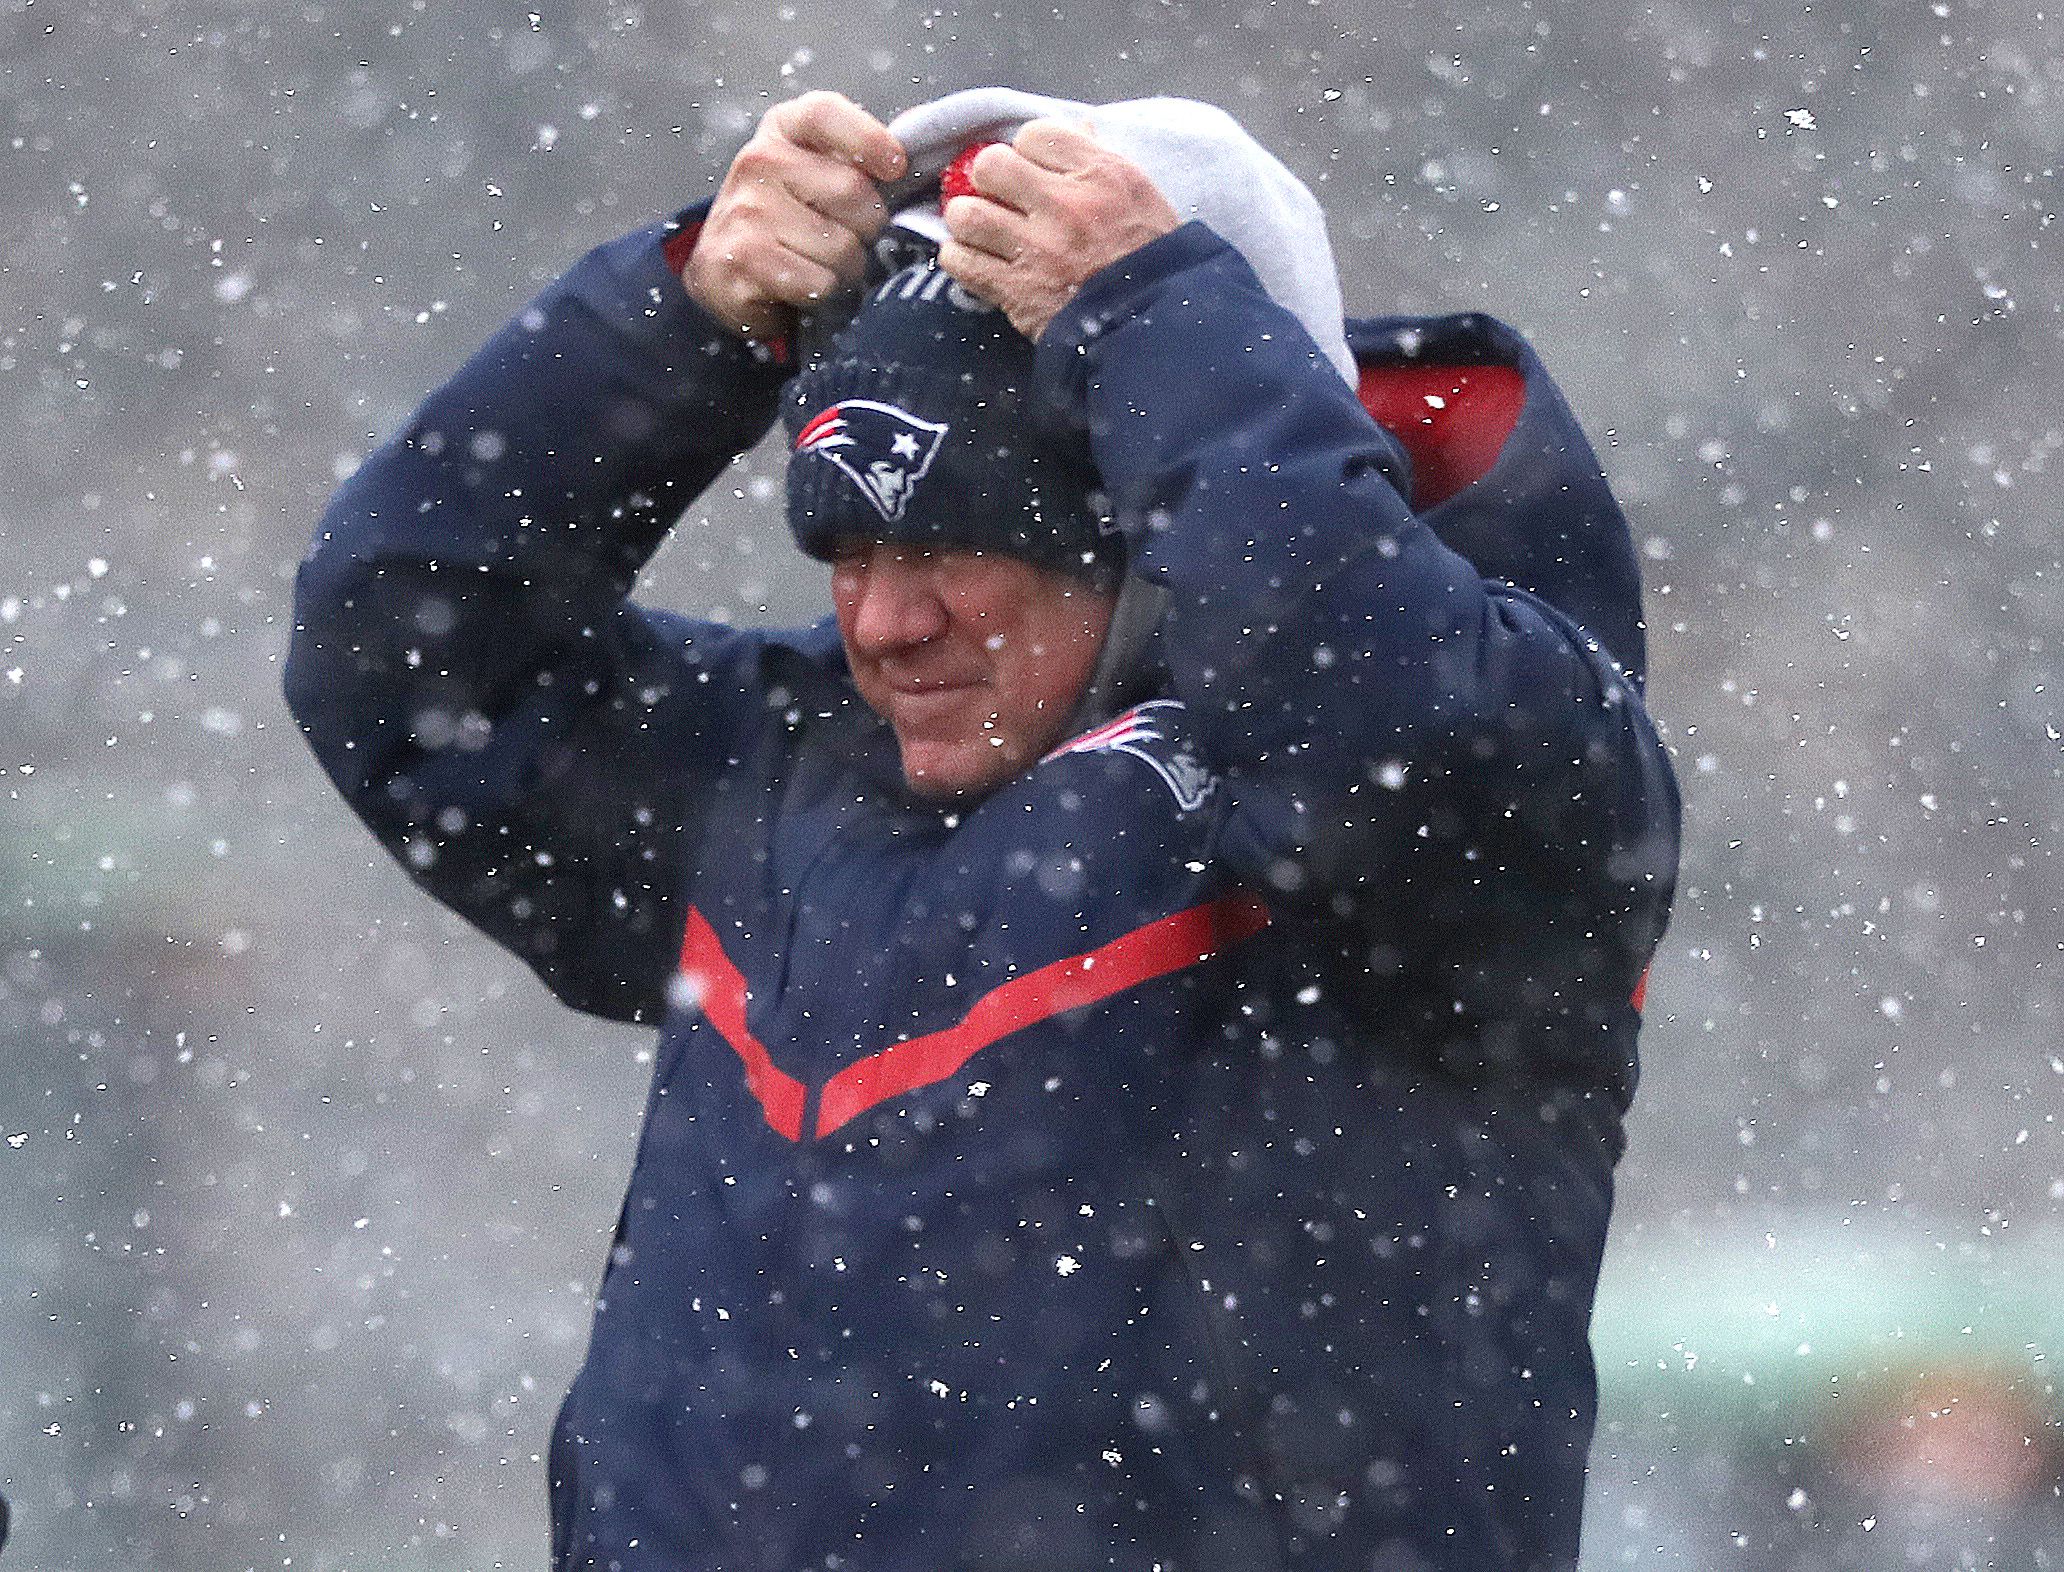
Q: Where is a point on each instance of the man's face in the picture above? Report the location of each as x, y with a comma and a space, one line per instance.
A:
976, 659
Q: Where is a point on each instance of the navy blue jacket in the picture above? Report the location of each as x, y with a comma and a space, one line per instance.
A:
1196, 1154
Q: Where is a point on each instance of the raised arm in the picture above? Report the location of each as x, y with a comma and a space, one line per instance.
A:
1407, 745
1401, 737
534, 748
465, 662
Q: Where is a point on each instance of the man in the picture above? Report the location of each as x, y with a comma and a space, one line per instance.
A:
1147, 993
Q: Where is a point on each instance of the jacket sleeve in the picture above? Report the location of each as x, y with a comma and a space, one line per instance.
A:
1401, 741
533, 747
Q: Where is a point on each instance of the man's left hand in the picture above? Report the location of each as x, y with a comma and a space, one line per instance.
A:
1048, 210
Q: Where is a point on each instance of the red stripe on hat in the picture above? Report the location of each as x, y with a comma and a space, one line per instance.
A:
781, 1096
1169, 944
816, 427
956, 181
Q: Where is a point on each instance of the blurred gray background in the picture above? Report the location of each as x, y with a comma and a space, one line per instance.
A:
304, 1188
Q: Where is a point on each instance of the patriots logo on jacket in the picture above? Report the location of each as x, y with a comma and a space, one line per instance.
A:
883, 450
1140, 733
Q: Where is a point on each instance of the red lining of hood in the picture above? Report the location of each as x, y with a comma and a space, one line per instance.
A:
1451, 420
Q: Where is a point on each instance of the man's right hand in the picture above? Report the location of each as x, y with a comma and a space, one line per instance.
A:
792, 221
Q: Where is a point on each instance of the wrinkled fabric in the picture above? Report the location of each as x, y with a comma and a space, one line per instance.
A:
1199, 157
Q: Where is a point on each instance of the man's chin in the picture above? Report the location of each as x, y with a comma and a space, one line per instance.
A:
941, 772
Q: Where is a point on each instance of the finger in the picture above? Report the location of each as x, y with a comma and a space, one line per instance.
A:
982, 225
809, 233
831, 123
1057, 146
839, 192
769, 211
771, 270
1005, 175
801, 281
978, 271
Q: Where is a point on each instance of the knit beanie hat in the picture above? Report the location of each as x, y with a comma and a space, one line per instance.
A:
922, 423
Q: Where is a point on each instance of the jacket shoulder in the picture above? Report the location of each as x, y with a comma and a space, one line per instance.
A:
1502, 470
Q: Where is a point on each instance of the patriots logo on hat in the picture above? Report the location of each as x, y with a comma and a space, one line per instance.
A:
883, 450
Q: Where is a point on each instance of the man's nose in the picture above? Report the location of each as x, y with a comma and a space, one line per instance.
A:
897, 606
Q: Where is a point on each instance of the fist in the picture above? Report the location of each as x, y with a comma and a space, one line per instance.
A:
1046, 212
793, 218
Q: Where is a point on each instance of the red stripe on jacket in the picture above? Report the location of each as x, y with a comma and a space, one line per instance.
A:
724, 998
1168, 944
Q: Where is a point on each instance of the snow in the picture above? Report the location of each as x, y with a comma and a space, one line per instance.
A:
309, 1188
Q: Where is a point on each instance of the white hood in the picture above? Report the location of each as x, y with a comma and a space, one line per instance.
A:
1200, 157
